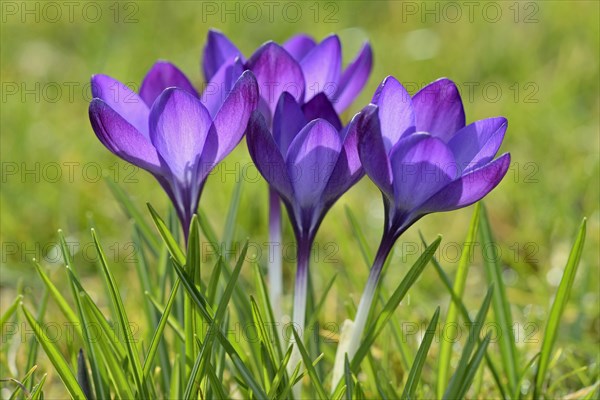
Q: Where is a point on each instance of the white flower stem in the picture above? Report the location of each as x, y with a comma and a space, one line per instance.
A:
299, 311
275, 263
350, 340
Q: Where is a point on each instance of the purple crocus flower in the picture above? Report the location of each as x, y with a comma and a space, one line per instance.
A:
312, 74
310, 164
168, 131
300, 66
424, 159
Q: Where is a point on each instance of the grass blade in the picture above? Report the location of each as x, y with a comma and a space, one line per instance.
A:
122, 319
168, 238
10, 311
63, 305
60, 365
453, 310
415, 371
107, 345
281, 375
500, 303
206, 313
132, 212
465, 315
388, 310
158, 333
558, 306
473, 367
312, 372
457, 380
263, 296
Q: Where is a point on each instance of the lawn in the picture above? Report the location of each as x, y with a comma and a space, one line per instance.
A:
536, 63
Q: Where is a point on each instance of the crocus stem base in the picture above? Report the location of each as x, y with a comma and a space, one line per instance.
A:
353, 330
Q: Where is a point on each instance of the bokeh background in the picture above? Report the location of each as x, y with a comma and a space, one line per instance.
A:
535, 63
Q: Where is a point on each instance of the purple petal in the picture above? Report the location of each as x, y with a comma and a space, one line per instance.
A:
287, 122
276, 72
218, 50
421, 164
322, 67
219, 87
372, 151
232, 118
310, 161
120, 137
123, 100
299, 45
162, 75
348, 169
477, 143
439, 109
396, 114
267, 157
179, 124
353, 78
470, 188
320, 107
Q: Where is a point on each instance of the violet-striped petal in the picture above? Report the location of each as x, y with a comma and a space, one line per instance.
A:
320, 107
353, 79
348, 168
120, 137
220, 86
311, 159
477, 143
372, 152
232, 118
469, 188
287, 122
276, 72
123, 100
267, 157
179, 124
322, 67
217, 51
396, 114
438, 109
422, 164
162, 75
299, 45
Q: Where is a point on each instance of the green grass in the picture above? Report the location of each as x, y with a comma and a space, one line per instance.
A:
548, 74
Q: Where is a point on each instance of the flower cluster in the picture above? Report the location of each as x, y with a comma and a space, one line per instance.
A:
418, 150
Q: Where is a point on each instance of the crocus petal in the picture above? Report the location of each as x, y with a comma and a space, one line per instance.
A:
477, 143
162, 75
396, 114
322, 67
469, 188
310, 161
421, 164
353, 78
220, 86
372, 151
276, 72
123, 100
120, 137
320, 107
299, 45
179, 124
439, 109
218, 50
287, 122
348, 168
232, 118
267, 157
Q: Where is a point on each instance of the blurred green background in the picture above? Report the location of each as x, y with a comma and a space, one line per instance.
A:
536, 63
